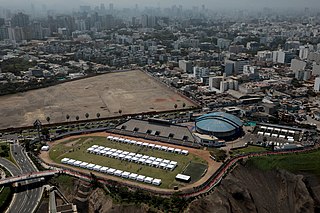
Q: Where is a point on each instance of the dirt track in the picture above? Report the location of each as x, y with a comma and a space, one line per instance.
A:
131, 92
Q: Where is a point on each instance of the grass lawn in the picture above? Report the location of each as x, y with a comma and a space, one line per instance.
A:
248, 150
76, 149
296, 163
195, 171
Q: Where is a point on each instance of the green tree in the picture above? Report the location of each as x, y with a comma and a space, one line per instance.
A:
98, 115
48, 119
87, 115
67, 117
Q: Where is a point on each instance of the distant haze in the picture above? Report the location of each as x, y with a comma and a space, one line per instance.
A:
211, 4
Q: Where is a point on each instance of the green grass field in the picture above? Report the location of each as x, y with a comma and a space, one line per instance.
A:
195, 171
296, 163
76, 149
248, 150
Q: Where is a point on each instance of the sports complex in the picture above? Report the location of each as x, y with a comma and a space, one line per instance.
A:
127, 159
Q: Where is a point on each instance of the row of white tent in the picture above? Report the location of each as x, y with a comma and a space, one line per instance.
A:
290, 138
133, 157
111, 171
277, 129
149, 145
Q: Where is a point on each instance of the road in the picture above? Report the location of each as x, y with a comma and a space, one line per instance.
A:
30, 201
15, 171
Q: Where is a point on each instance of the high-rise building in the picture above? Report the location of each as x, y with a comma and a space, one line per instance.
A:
317, 84
20, 20
186, 66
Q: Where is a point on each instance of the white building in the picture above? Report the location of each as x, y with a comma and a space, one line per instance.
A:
185, 66
317, 84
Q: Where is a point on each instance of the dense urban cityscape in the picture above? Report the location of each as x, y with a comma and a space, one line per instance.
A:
107, 108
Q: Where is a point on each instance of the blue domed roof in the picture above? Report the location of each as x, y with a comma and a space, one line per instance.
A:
218, 122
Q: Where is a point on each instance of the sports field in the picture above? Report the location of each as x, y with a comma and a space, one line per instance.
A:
130, 91
76, 149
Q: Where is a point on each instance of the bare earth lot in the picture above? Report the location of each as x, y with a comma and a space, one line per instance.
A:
131, 91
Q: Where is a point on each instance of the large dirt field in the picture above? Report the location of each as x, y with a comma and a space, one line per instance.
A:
131, 91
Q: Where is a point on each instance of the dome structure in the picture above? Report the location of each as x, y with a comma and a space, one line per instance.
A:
220, 124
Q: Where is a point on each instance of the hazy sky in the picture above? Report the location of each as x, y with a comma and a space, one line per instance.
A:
54, 4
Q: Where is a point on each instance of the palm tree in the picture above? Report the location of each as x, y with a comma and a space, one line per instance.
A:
98, 115
67, 117
175, 106
87, 115
48, 119
120, 111
184, 105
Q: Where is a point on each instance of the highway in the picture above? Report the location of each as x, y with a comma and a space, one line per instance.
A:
32, 196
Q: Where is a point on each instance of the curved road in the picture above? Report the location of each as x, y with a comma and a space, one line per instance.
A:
31, 196
15, 171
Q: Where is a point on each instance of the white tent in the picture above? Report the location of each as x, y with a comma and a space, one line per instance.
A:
119, 151
151, 146
177, 151
158, 147
132, 154
164, 148
121, 140
282, 136
113, 150
270, 128
170, 166
135, 159
125, 153
274, 135
102, 152
156, 182
104, 169
173, 163
122, 156
277, 129
149, 162
260, 133
170, 149
90, 149
133, 142
77, 163
90, 166
83, 164
96, 151
107, 149
152, 158
133, 176
148, 180
127, 141
141, 160
138, 156
111, 171
185, 152
101, 147
116, 138
284, 130
155, 163
291, 131
108, 153
128, 158
115, 155
94, 146
263, 127
125, 174
290, 139
267, 134
110, 137
162, 165
141, 178
118, 173
71, 161
145, 157
65, 160
145, 144
166, 161
139, 143
97, 167
159, 160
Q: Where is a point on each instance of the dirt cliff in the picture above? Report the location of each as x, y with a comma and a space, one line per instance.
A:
251, 190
